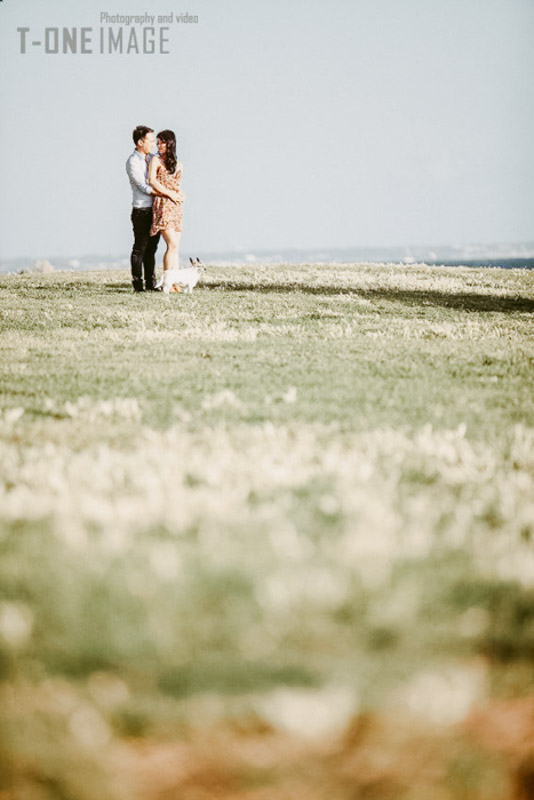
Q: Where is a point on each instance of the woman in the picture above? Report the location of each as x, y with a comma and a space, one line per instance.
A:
165, 174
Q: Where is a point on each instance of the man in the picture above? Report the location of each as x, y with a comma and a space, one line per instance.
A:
144, 246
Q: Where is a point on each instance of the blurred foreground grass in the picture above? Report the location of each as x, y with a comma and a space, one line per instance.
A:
273, 540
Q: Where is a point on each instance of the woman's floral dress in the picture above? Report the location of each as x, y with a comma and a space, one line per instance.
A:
165, 212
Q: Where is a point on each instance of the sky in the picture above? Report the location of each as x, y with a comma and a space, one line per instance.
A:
300, 123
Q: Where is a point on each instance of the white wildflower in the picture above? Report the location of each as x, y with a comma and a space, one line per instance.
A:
310, 713
446, 696
11, 415
16, 623
223, 398
290, 396
89, 728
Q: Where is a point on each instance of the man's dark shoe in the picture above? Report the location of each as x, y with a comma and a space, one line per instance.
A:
138, 289
153, 289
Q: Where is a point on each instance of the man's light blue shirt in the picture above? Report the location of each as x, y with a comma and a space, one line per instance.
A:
137, 169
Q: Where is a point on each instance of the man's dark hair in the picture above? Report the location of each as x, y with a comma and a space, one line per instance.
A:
140, 132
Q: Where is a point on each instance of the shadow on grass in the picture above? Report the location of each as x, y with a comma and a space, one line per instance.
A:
412, 297
464, 301
119, 286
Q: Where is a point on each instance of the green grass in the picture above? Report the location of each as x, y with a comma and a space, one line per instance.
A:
299, 476
364, 347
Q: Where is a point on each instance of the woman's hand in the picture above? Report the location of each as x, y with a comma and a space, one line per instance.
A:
174, 196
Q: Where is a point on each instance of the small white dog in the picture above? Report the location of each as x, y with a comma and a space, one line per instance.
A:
178, 280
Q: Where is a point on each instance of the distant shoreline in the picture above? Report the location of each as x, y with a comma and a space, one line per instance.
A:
114, 263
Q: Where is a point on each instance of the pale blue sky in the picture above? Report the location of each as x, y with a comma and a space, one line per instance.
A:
304, 123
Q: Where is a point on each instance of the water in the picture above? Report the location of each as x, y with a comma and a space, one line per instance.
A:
508, 256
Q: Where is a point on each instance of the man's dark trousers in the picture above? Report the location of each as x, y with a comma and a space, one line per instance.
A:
144, 249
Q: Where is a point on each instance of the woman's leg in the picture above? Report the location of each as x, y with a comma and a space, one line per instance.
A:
172, 254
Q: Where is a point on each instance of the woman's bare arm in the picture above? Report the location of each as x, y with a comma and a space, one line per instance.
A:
157, 185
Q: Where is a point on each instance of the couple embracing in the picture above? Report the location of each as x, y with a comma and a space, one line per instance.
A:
157, 206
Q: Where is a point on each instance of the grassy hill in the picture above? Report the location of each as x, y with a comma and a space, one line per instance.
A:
270, 540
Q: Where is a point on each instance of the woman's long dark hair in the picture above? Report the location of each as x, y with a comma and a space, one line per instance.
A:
169, 159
